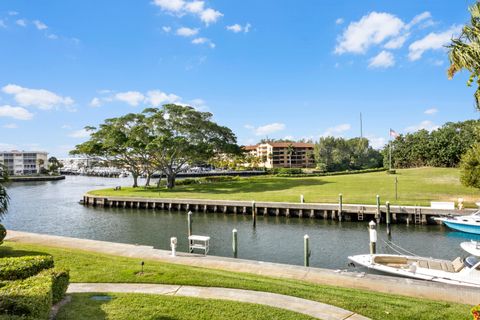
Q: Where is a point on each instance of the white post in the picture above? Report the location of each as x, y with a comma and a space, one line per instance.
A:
173, 245
302, 199
373, 237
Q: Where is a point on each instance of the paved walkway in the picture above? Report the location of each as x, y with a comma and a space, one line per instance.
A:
311, 308
393, 285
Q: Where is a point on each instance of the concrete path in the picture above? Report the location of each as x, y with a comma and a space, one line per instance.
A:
339, 278
311, 308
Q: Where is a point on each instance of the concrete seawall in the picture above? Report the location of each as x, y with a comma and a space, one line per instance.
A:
35, 178
384, 284
343, 212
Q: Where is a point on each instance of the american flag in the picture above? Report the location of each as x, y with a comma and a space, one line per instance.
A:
393, 133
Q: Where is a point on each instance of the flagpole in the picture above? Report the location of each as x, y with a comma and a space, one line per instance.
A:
390, 149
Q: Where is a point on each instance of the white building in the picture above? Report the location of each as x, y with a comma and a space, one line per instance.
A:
19, 163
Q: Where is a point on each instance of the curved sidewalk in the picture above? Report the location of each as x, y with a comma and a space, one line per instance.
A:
311, 308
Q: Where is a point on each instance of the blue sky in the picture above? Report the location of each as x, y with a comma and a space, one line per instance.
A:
297, 69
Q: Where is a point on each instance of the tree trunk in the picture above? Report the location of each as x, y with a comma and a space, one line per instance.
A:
135, 179
149, 177
171, 180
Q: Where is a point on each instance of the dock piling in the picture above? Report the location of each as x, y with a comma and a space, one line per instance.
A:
340, 207
189, 220
306, 250
373, 237
234, 243
378, 216
389, 229
254, 214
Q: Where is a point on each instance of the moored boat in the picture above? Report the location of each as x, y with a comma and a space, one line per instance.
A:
472, 247
458, 272
468, 224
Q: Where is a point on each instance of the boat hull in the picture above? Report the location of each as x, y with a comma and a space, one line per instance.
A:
468, 228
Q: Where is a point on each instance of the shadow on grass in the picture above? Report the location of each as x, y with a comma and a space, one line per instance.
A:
240, 186
8, 252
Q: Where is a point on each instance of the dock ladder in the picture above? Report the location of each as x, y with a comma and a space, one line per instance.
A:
361, 212
418, 215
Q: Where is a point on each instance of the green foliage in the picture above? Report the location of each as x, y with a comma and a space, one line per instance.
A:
443, 147
54, 165
339, 154
60, 280
470, 167
216, 179
288, 171
23, 267
3, 233
464, 51
4, 199
327, 174
30, 298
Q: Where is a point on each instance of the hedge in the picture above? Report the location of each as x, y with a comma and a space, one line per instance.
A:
60, 280
326, 174
30, 298
23, 267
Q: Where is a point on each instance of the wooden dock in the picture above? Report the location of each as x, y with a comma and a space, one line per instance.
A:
340, 212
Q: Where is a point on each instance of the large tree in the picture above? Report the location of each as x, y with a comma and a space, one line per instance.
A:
183, 136
3, 192
464, 51
120, 142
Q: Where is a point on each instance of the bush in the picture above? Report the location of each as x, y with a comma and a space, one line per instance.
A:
30, 298
326, 174
391, 171
3, 233
60, 280
216, 179
23, 267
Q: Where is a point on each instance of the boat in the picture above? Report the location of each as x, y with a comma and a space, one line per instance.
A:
472, 247
468, 224
465, 272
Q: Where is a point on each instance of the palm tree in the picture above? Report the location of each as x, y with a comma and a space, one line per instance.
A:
464, 51
290, 151
3, 192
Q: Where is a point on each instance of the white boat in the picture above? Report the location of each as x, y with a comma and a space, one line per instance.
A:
458, 272
472, 247
469, 224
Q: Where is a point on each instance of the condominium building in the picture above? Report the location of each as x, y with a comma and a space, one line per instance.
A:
20, 163
283, 154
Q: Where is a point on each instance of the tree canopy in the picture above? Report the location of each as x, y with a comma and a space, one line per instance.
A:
4, 199
165, 140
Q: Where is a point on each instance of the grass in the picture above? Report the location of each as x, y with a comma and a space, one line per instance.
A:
416, 186
92, 267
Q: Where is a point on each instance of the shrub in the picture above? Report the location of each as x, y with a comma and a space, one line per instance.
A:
216, 179
30, 298
391, 171
23, 267
60, 280
326, 174
3, 233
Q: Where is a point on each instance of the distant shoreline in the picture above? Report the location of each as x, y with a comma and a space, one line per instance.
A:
35, 178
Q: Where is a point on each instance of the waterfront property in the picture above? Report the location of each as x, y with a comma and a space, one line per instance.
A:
24, 162
283, 154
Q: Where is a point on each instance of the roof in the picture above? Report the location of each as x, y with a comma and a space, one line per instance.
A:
294, 144
250, 148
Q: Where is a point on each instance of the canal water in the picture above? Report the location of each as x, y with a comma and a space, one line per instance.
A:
53, 208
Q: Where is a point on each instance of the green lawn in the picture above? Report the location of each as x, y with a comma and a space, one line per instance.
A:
92, 267
155, 307
415, 187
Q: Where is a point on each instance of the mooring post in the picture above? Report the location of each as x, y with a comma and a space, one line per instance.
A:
379, 211
254, 214
189, 219
389, 230
234, 243
373, 237
340, 207
306, 250
302, 199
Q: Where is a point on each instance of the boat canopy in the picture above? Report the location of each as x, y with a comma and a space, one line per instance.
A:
471, 261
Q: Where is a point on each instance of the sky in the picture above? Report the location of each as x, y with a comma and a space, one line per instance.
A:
272, 68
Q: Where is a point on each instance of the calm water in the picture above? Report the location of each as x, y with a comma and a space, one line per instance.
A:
52, 208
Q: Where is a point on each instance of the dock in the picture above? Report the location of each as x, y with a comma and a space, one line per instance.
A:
333, 211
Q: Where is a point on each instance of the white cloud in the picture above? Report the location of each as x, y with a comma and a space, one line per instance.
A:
202, 40
197, 8
337, 130
199, 104
397, 42
18, 113
40, 25
431, 111
419, 18
424, 125
266, 129
40, 98
432, 41
133, 98
157, 98
96, 102
236, 28
339, 21
10, 126
52, 36
8, 146
370, 30
377, 142
12, 13
82, 133
384, 59
186, 32
2, 24
166, 29
21, 22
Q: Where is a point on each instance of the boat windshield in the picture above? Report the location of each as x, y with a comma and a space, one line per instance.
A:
471, 261
476, 214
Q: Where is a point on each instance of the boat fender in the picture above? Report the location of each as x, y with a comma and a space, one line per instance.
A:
413, 267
